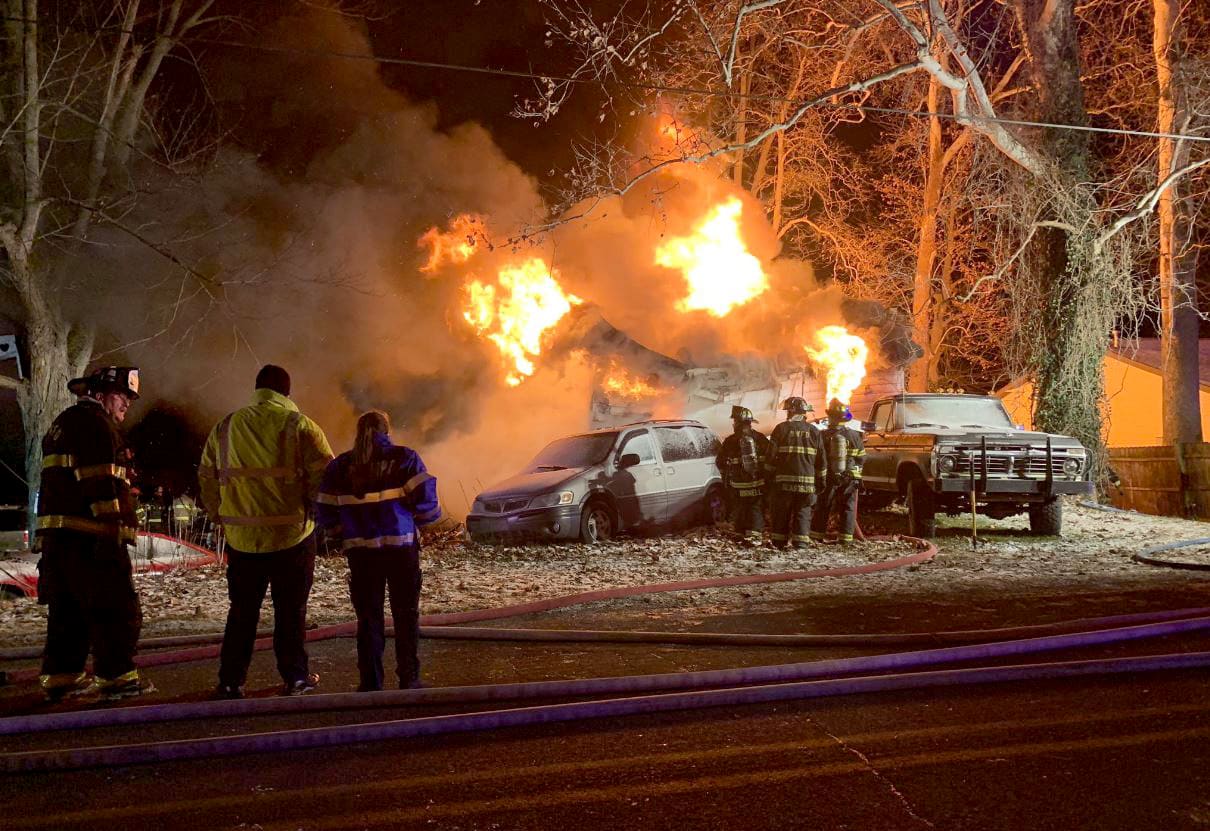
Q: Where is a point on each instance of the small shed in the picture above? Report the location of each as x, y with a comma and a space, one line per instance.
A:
1133, 389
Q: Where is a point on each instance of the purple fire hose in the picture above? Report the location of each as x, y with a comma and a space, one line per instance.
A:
592, 686
82, 757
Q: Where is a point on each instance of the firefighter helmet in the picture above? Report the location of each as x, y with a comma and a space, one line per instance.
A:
798, 405
123, 379
838, 412
742, 414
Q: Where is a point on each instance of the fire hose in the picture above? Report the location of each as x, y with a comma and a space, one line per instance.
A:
925, 551
695, 690
1151, 558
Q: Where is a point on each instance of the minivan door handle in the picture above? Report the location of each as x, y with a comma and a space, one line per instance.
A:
671, 470
659, 472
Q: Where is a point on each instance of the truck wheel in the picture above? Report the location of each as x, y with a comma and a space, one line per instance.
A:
596, 523
1046, 518
922, 510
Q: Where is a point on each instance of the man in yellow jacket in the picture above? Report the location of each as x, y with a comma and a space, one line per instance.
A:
259, 476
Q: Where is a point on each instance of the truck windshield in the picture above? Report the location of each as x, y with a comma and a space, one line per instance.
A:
956, 412
574, 451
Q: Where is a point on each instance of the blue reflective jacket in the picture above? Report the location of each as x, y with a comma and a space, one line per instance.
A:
396, 497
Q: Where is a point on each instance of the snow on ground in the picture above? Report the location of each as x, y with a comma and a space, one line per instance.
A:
1093, 554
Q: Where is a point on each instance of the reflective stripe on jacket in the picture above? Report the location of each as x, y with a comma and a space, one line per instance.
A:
260, 472
794, 462
85, 484
400, 495
747, 484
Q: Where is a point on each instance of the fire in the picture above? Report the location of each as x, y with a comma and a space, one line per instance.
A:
843, 355
720, 272
515, 313
457, 245
621, 383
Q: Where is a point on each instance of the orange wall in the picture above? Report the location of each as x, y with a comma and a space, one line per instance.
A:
1132, 414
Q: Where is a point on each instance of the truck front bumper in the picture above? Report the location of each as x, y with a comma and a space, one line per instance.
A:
1014, 487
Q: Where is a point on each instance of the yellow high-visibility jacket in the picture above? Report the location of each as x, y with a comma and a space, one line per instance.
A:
260, 473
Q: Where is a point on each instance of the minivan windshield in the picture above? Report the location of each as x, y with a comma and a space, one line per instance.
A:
955, 412
573, 451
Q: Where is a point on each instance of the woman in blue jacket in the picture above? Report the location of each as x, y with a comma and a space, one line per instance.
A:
374, 498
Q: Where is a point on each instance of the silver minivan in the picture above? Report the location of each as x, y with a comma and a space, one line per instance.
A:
591, 486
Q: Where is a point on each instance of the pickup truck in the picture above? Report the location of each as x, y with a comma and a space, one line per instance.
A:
937, 452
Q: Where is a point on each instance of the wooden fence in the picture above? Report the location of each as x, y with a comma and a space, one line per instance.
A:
1169, 480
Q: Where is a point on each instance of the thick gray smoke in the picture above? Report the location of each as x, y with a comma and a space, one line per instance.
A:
307, 257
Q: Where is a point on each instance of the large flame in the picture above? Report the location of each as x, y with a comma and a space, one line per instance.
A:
457, 245
515, 313
843, 356
619, 382
719, 270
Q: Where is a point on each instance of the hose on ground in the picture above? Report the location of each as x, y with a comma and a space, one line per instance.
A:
1149, 557
82, 757
872, 639
925, 551
777, 673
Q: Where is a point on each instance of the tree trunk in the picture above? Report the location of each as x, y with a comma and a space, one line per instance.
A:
1067, 361
921, 376
56, 355
1178, 259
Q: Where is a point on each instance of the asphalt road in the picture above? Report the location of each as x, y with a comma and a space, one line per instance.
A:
1121, 752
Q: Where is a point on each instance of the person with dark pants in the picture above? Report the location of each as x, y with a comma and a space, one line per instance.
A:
374, 499
792, 464
372, 573
740, 460
288, 575
86, 521
844, 457
260, 472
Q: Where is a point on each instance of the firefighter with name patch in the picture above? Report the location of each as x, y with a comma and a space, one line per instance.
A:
793, 466
741, 461
260, 474
86, 520
844, 455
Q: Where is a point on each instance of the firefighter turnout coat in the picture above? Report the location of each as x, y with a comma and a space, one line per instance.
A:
260, 473
85, 485
794, 460
745, 484
404, 498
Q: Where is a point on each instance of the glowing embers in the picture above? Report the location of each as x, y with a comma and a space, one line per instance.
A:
517, 311
619, 382
719, 270
457, 245
843, 355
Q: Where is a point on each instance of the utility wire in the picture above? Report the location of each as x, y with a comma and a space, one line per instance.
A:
537, 76
716, 93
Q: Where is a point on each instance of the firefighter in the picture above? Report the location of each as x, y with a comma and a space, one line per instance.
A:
260, 474
844, 455
86, 521
741, 461
374, 499
792, 465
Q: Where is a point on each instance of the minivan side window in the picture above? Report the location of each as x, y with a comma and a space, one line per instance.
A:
707, 443
882, 419
677, 444
639, 443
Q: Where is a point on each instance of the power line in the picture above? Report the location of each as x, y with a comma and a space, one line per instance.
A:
537, 76
650, 87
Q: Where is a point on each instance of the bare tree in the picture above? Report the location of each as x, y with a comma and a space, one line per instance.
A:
1177, 255
74, 96
1063, 232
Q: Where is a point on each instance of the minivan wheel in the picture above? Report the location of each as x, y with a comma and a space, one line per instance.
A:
596, 523
714, 507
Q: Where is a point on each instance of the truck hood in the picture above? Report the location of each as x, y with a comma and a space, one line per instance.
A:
531, 484
972, 435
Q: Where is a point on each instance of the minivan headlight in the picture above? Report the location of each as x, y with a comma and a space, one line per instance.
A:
549, 500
